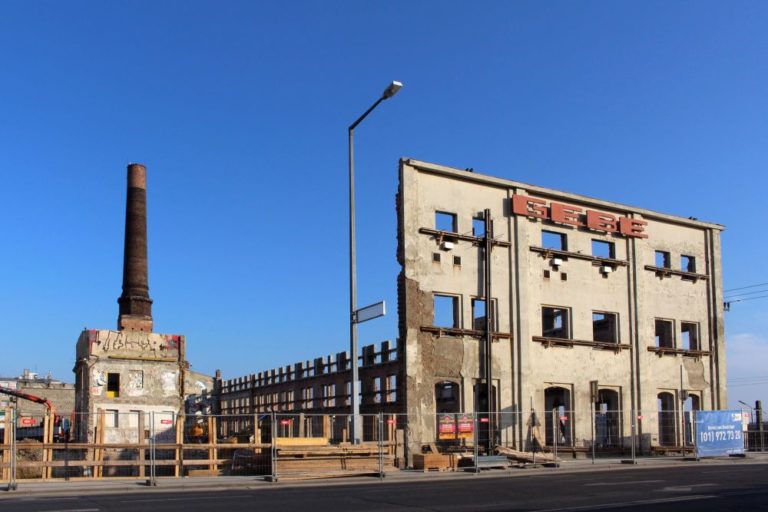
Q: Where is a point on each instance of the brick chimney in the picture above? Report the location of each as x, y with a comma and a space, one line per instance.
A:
135, 304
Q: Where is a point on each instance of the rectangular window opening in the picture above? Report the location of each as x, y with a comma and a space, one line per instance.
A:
687, 263
457, 261
479, 312
113, 385
665, 334
377, 394
604, 327
446, 311
436, 257
603, 249
663, 260
689, 339
554, 240
554, 322
445, 221
391, 388
112, 418
478, 226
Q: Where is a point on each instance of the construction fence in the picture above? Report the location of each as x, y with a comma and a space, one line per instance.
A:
274, 446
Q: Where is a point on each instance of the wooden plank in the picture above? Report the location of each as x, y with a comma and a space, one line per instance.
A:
140, 437
302, 441
6, 454
212, 441
179, 441
98, 454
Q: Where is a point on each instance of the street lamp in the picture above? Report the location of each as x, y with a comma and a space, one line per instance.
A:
390, 91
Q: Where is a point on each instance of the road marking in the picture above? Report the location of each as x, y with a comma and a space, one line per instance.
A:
188, 498
626, 482
629, 503
74, 510
683, 488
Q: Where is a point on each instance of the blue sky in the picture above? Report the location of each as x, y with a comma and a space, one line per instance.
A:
240, 109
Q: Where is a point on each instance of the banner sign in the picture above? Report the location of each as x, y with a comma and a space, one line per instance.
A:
719, 433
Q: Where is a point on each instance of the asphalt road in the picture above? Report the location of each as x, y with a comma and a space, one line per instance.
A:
695, 488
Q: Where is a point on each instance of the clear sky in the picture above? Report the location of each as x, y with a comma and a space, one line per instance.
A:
240, 109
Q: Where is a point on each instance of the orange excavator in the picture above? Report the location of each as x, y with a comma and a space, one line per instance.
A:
60, 428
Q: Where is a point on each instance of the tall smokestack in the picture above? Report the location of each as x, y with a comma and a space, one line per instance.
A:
135, 304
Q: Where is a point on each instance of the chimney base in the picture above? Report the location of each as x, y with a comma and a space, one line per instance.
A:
134, 323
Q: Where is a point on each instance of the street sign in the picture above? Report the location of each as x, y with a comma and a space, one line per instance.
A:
718, 433
369, 312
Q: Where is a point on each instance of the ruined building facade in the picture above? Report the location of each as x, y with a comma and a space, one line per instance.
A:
550, 301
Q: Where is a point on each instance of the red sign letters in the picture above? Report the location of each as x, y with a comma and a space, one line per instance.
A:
575, 216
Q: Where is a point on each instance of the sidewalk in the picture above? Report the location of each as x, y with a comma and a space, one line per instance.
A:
37, 488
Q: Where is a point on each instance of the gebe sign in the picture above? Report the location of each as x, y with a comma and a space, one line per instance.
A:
718, 433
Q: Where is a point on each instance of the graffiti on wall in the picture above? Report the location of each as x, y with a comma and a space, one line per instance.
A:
161, 346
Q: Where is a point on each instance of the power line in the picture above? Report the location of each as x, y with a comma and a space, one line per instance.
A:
750, 298
746, 293
727, 303
742, 384
745, 287
756, 377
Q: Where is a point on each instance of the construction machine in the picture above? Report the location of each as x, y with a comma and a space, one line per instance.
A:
61, 427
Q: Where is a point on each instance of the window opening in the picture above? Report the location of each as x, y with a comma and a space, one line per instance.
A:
445, 221
607, 419
112, 418
446, 311
557, 415
546, 274
457, 261
603, 249
666, 408
664, 334
113, 385
554, 322
479, 312
689, 339
329, 395
478, 226
604, 327
691, 404
377, 389
687, 263
308, 397
436, 257
554, 240
663, 260
391, 388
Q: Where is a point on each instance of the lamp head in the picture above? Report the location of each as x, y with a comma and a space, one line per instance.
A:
392, 89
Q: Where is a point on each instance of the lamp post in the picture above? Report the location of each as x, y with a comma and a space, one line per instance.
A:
390, 91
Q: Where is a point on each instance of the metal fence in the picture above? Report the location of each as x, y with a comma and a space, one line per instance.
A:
148, 445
